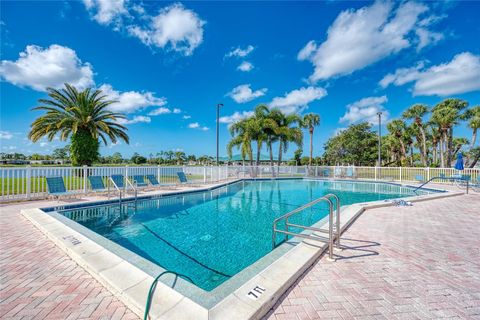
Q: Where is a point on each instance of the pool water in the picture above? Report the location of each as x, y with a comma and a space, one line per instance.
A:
211, 236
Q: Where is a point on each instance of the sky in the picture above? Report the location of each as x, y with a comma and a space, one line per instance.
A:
168, 64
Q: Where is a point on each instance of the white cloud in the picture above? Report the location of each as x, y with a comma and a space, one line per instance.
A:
460, 75
366, 109
196, 125
131, 101
106, 11
135, 119
176, 110
297, 100
175, 28
243, 93
427, 37
159, 111
6, 135
358, 38
40, 68
239, 52
186, 117
245, 66
236, 116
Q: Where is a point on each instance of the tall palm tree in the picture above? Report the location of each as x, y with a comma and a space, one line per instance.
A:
446, 115
82, 116
417, 112
310, 121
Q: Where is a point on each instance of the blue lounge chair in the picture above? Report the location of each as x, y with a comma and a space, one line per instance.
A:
153, 180
139, 181
183, 179
419, 178
326, 172
350, 173
119, 180
56, 187
96, 183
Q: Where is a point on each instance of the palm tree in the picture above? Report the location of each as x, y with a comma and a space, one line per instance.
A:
397, 128
285, 132
446, 115
417, 112
82, 116
242, 139
473, 117
310, 121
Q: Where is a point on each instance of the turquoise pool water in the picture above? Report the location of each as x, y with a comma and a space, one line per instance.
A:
211, 236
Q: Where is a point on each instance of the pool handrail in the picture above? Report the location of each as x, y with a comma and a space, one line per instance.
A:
465, 178
331, 237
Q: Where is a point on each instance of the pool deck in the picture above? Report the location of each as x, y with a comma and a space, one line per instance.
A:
399, 263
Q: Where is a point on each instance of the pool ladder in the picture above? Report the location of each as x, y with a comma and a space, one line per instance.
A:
128, 183
334, 229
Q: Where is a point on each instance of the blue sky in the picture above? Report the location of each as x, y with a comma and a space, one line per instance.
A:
169, 63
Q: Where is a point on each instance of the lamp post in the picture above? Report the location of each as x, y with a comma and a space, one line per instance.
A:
218, 116
379, 139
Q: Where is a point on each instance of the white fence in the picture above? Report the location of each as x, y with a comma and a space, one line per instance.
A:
21, 183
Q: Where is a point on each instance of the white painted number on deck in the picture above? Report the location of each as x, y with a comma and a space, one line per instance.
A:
256, 292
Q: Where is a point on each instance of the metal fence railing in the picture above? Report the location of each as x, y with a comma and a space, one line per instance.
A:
23, 183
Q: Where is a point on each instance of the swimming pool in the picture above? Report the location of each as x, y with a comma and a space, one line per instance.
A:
210, 236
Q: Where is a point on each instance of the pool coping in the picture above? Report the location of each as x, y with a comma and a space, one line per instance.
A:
131, 284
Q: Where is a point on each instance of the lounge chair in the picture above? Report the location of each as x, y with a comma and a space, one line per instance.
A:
183, 179
155, 184
476, 185
139, 181
350, 173
96, 184
119, 180
56, 188
326, 172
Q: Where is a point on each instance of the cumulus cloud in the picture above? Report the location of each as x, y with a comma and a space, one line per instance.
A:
358, 38
243, 93
186, 117
175, 28
135, 119
239, 52
40, 68
236, 116
297, 100
131, 101
460, 75
245, 66
5, 135
163, 110
366, 110
106, 11
196, 125
176, 110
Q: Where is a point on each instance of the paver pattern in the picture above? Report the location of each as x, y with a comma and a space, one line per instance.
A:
418, 262
39, 281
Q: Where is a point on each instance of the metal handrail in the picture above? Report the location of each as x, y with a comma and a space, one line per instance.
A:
330, 224
443, 178
337, 224
116, 187
133, 187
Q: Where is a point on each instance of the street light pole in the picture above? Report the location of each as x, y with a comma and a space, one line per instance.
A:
379, 139
218, 117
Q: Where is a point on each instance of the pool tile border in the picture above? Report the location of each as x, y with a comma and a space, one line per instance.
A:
131, 284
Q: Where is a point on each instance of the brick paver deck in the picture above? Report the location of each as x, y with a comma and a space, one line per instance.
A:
400, 263
39, 281
419, 262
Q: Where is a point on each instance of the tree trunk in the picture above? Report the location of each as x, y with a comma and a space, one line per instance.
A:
311, 146
442, 149
259, 147
435, 146
449, 146
474, 138
475, 160
424, 147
